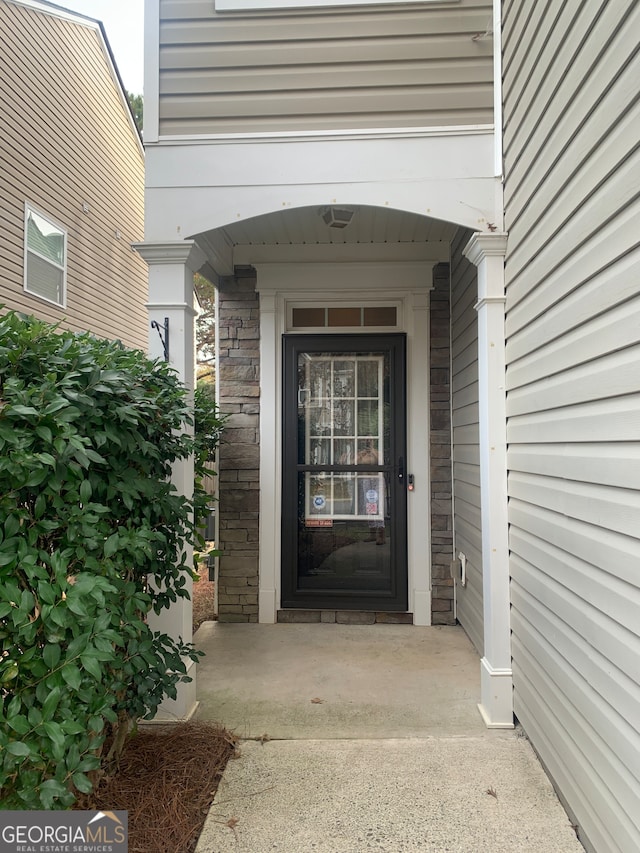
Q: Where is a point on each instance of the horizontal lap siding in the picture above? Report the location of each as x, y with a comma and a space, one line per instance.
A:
466, 453
66, 141
572, 197
323, 69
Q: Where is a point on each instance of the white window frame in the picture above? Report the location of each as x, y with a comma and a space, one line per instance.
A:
344, 302
28, 209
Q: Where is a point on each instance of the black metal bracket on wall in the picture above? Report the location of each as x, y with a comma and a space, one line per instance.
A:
163, 338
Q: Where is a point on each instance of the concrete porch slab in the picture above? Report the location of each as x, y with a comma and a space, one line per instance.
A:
391, 756
373, 680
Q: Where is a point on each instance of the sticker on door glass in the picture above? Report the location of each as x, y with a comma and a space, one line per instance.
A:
319, 505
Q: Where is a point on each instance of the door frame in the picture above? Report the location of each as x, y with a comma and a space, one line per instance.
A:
404, 284
394, 344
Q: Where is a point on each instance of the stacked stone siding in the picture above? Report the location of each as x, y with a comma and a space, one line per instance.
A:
238, 377
239, 455
441, 485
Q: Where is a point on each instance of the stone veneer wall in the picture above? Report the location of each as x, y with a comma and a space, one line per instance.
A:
441, 484
239, 456
238, 378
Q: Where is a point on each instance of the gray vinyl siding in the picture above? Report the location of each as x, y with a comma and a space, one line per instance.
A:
466, 452
572, 191
67, 141
323, 69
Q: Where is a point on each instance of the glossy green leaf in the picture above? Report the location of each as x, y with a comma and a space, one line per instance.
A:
19, 724
71, 675
50, 703
82, 782
111, 545
18, 748
91, 665
11, 526
51, 654
85, 491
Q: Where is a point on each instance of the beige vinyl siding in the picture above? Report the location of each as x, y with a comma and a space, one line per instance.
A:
572, 193
323, 69
67, 141
466, 448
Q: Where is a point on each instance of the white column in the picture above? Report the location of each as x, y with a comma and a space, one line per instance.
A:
171, 267
270, 540
487, 252
418, 414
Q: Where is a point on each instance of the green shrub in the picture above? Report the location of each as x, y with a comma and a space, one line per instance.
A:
88, 433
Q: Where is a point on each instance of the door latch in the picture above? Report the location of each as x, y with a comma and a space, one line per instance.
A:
411, 485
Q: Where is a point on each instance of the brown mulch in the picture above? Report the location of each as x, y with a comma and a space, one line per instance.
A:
166, 781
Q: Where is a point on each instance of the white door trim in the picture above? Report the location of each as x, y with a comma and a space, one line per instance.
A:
408, 285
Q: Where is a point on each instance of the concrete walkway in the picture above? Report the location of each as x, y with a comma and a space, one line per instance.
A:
363, 738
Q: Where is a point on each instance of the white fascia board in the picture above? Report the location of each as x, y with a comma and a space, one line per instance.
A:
57, 11
497, 86
342, 253
325, 135
338, 281
321, 161
261, 5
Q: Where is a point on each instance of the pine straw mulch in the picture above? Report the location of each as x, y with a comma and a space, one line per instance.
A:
168, 775
166, 781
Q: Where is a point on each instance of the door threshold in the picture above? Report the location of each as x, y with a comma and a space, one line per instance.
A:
344, 617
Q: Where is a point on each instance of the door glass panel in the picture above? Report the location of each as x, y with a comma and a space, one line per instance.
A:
344, 378
344, 514
368, 376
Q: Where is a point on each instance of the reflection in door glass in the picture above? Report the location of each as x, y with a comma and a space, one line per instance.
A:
368, 371
345, 535
344, 517
340, 400
344, 378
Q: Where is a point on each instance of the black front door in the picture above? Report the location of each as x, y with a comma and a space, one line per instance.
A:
344, 515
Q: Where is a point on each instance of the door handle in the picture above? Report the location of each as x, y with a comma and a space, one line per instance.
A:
401, 469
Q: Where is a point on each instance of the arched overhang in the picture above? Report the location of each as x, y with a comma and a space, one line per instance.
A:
326, 233
444, 176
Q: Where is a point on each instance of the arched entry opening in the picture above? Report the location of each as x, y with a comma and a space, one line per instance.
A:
271, 270
302, 544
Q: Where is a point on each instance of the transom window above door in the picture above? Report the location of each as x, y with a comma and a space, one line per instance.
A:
343, 316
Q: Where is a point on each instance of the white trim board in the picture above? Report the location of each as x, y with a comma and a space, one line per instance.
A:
261, 5
326, 135
406, 284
